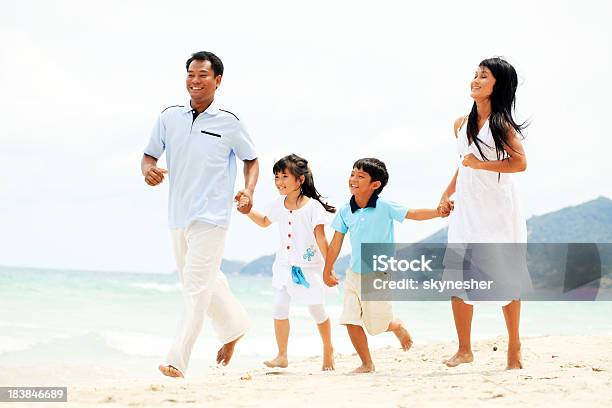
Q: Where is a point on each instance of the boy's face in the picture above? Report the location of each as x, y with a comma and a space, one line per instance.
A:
361, 184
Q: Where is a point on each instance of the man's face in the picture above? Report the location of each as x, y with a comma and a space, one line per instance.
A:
201, 81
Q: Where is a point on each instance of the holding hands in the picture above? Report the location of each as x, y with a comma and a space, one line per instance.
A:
244, 201
446, 206
330, 279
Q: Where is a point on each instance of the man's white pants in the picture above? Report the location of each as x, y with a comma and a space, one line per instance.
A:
198, 250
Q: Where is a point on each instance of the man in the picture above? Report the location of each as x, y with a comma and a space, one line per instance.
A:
202, 142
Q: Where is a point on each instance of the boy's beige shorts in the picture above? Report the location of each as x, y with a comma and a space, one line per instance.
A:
375, 316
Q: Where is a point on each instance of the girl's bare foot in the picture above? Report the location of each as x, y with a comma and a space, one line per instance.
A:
170, 371
225, 353
279, 361
514, 360
460, 357
404, 337
364, 368
328, 360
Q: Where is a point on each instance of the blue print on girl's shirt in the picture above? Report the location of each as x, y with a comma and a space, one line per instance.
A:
309, 254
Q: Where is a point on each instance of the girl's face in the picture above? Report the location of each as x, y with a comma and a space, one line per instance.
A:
482, 84
286, 182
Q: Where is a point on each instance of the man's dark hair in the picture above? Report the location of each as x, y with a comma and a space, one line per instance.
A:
215, 62
376, 169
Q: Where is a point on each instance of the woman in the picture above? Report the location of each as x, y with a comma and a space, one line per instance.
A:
485, 206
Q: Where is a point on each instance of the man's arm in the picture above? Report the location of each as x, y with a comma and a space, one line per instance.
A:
245, 197
153, 175
333, 251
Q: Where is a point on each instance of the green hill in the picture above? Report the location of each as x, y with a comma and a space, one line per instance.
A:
586, 222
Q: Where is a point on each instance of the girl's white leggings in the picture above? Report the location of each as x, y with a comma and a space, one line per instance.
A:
282, 301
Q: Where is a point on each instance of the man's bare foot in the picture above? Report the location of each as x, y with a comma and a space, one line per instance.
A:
224, 355
170, 371
362, 369
328, 360
460, 357
279, 361
514, 360
404, 337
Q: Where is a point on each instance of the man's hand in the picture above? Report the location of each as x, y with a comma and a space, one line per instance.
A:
330, 279
154, 175
244, 200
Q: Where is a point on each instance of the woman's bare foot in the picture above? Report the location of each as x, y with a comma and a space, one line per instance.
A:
225, 353
364, 368
404, 337
514, 360
279, 361
460, 357
170, 371
328, 360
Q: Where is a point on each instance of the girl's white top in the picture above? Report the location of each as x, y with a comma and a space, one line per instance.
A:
298, 247
486, 209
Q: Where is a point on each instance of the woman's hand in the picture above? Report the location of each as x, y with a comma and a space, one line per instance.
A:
471, 161
446, 206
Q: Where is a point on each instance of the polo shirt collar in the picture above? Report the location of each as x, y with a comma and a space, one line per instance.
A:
371, 203
212, 109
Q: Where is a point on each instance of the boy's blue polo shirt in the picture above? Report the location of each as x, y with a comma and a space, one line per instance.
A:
372, 224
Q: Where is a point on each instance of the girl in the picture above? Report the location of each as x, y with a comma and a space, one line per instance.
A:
297, 269
486, 207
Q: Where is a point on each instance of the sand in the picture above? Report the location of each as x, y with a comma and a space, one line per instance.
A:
559, 371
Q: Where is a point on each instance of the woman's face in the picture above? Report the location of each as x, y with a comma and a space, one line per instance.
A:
482, 84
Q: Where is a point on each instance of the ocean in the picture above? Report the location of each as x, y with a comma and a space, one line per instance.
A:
128, 320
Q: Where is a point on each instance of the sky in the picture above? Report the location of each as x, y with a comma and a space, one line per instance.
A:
81, 84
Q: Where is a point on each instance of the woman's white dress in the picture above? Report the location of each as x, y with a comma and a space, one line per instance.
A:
488, 211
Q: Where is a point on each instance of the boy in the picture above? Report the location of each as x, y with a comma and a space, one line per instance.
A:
369, 218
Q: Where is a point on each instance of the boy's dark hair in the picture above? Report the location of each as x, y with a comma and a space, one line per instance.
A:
215, 62
376, 169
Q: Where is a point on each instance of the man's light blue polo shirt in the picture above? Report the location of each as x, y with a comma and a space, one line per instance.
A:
371, 224
201, 157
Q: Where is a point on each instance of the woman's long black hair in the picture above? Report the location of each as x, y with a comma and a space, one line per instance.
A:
503, 99
298, 166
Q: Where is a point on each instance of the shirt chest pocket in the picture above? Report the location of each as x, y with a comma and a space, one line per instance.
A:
212, 144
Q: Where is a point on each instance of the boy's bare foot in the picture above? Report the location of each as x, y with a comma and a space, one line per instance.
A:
514, 360
279, 361
460, 357
364, 368
404, 337
224, 355
328, 360
170, 371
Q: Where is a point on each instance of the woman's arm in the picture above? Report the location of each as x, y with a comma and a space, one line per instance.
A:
516, 162
446, 204
259, 219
